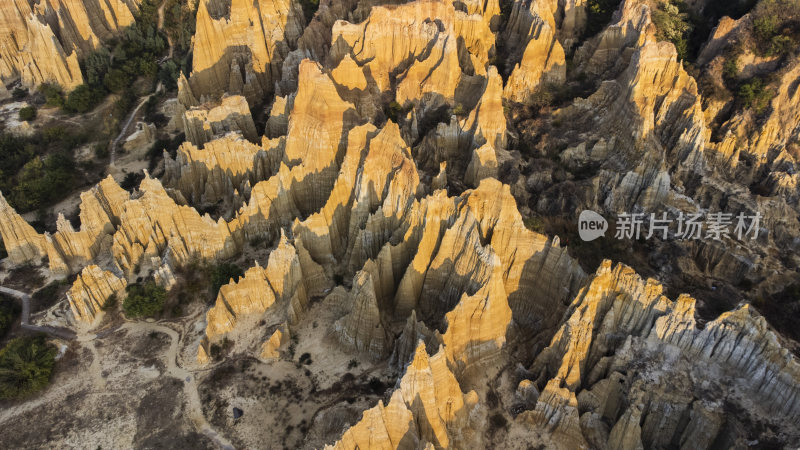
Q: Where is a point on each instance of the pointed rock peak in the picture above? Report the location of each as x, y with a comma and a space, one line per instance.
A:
391, 133
349, 74
63, 225
284, 245
363, 278
151, 185
421, 360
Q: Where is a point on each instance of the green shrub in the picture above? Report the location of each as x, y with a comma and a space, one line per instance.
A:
221, 274
19, 93
168, 73
97, 65
9, 310
765, 27
217, 350
179, 23
43, 180
27, 113
131, 181
117, 81
780, 45
144, 300
19, 165
598, 15
53, 95
754, 94
730, 70
672, 24
101, 150
26, 365
541, 98
535, 224
83, 99
776, 26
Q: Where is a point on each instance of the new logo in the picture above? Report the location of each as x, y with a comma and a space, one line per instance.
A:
591, 225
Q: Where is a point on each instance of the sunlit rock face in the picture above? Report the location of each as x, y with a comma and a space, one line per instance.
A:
378, 175
92, 291
239, 46
42, 43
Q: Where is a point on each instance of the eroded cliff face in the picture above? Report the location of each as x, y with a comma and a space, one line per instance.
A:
619, 321
43, 42
92, 291
385, 218
239, 46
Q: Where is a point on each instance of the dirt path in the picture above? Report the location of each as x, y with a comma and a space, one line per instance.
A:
174, 369
194, 407
26, 313
161, 27
124, 130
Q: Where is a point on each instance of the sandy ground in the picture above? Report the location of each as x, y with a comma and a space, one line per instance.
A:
288, 404
137, 384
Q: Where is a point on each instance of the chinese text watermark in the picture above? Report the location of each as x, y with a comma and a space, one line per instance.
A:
716, 226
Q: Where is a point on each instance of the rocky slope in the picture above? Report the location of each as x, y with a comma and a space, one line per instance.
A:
42, 41
384, 221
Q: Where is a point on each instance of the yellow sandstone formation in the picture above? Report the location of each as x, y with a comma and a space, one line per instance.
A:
42, 42
239, 46
91, 291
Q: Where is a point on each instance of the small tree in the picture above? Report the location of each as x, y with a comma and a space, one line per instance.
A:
755, 95
144, 300
26, 365
82, 99
27, 113
53, 96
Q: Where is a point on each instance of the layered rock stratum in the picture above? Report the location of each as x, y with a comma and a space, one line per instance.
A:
387, 222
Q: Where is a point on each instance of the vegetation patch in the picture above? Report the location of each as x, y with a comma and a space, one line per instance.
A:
776, 27
395, 111
37, 170
9, 311
53, 95
132, 54
673, 23
26, 365
754, 94
221, 274
598, 15
27, 113
219, 349
144, 300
